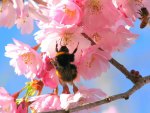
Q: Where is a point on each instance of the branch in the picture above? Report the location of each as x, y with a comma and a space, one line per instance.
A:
138, 82
116, 63
120, 67
141, 82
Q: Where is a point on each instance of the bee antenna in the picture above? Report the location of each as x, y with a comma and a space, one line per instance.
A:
60, 41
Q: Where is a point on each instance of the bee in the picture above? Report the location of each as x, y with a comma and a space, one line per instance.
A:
144, 17
65, 70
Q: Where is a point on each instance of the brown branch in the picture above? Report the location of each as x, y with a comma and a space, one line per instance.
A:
140, 83
116, 63
120, 67
137, 81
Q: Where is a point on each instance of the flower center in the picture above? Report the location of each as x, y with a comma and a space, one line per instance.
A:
69, 12
28, 58
67, 38
95, 5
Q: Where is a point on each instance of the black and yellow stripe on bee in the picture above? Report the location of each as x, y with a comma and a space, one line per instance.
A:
60, 53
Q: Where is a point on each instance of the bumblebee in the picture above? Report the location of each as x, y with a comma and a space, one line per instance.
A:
144, 17
65, 70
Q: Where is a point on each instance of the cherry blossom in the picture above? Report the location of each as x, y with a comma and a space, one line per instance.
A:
83, 96
25, 60
7, 13
45, 103
66, 12
107, 25
63, 36
50, 102
7, 103
97, 14
26, 14
93, 62
125, 38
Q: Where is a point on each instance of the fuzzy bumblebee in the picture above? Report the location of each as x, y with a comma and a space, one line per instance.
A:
144, 17
65, 70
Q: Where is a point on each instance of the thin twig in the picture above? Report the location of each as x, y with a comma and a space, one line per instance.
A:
115, 63
138, 83
141, 82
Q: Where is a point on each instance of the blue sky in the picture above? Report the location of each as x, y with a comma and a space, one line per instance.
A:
137, 57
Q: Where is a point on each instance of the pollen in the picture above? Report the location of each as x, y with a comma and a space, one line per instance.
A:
67, 38
28, 58
69, 12
4, 1
95, 5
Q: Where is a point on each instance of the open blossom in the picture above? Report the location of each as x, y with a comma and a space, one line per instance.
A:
7, 13
24, 20
105, 38
111, 40
25, 60
50, 102
97, 14
124, 38
63, 36
26, 14
66, 12
83, 96
93, 62
7, 103
45, 103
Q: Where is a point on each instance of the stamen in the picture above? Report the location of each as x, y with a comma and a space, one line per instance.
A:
95, 6
67, 38
69, 12
28, 58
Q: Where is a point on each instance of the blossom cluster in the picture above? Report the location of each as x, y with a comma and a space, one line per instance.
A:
97, 27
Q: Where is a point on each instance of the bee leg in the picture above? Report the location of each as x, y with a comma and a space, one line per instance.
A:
140, 18
75, 50
56, 47
55, 91
139, 12
65, 87
75, 89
